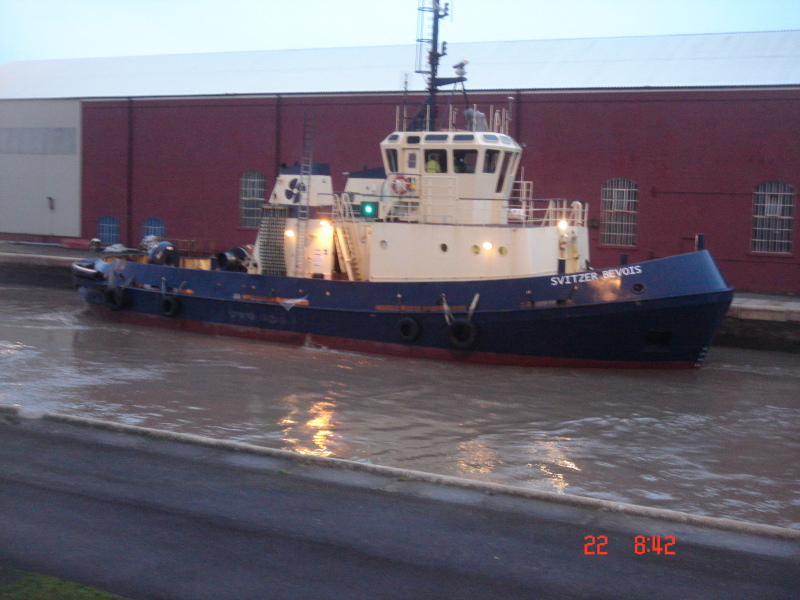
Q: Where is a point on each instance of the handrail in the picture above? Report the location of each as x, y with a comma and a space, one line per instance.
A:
527, 212
495, 120
346, 233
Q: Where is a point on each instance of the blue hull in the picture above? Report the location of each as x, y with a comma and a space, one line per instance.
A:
662, 313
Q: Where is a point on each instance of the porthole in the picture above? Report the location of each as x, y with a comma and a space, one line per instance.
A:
384, 244
638, 288
503, 250
476, 249
443, 247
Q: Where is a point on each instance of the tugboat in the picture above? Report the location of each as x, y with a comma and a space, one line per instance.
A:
440, 254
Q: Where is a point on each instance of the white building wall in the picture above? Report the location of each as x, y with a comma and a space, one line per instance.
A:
40, 167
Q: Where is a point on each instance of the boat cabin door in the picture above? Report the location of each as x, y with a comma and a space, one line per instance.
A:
411, 161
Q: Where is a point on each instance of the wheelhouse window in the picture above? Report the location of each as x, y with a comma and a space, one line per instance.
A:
491, 160
108, 230
619, 206
153, 227
773, 208
501, 180
252, 197
391, 159
435, 161
464, 161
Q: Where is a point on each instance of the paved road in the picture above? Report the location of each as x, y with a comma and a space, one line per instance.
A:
148, 517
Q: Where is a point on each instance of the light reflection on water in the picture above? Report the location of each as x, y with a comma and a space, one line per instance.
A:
314, 425
720, 441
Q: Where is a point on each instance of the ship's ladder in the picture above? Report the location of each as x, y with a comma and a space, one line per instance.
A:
271, 238
347, 238
306, 167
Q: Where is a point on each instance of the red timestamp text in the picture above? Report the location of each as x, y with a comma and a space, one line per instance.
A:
642, 544
655, 543
595, 544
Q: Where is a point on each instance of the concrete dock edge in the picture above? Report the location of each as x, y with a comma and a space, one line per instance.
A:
406, 475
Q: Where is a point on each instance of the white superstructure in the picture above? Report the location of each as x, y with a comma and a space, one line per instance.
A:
448, 208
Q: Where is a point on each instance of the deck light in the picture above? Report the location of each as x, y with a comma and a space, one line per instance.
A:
324, 224
289, 233
487, 245
562, 225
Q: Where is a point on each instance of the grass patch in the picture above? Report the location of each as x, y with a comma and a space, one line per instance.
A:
32, 586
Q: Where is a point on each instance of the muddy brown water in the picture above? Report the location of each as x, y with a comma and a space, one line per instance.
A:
720, 441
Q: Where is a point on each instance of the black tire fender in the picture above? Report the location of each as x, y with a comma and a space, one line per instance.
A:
116, 298
171, 306
408, 329
462, 333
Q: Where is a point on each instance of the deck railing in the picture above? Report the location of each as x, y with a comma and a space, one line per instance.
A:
497, 120
439, 207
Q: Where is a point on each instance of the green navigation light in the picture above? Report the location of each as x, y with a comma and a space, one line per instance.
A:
369, 210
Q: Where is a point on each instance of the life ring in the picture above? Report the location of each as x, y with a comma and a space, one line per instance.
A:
462, 333
170, 306
401, 185
116, 298
408, 329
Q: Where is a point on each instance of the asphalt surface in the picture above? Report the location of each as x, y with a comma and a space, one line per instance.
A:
156, 515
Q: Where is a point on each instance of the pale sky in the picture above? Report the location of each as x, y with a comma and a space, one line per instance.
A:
53, 29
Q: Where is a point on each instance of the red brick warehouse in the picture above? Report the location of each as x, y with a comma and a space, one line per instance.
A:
664, 137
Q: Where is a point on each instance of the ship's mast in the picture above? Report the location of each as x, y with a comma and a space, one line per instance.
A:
428, 46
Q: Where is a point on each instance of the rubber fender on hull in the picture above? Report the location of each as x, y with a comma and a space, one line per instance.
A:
408, 329
171, 306
116, 298
463, 333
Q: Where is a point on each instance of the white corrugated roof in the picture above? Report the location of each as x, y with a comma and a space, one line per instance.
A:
708, 60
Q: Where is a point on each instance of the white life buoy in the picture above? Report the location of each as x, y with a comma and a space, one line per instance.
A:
402, 185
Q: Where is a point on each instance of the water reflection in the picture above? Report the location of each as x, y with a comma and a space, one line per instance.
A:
308, 430
477, 456
550, 458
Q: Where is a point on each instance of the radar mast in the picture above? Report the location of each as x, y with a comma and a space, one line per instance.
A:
428, 55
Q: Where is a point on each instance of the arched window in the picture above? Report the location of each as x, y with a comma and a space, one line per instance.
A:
619, 206
153, 226
251, 198
773, 205
108, 230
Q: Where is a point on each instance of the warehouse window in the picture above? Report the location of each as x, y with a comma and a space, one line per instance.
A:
38, 140
153, 226
619, 205
252, 197
773, 205
108, 230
